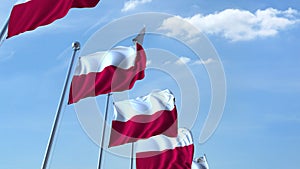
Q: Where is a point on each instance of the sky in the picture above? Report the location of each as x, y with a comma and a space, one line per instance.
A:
243, 67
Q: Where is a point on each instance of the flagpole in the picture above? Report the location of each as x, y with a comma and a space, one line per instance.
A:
205, 158
103, 132
2, 33
131, 156
76, 47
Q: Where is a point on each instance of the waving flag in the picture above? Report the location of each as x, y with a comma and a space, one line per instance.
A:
144, 117
161, 152
34, 13
109, 71
200, 163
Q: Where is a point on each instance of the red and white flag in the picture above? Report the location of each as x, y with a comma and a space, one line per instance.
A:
108, 71
34, 13
144, 117
161, 152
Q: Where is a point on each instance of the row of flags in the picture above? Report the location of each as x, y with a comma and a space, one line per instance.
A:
150, 121
153, 116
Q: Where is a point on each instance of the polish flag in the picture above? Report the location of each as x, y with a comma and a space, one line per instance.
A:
34, 13
109, 71
144, 117
200, 163
161, 152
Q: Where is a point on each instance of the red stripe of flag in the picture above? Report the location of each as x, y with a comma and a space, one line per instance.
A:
144, 126
34, 13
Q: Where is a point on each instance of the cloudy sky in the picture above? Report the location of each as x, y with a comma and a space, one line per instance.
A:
251, 46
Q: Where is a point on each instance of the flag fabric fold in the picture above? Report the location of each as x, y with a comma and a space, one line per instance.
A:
200, 163
108, 71
162, 152
34, 13
144, 117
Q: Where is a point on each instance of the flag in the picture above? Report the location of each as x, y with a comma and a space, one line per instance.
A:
144, 117
109, 71
161, 152
34, 13
200, 163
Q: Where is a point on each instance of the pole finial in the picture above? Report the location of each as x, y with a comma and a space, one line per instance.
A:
76, 45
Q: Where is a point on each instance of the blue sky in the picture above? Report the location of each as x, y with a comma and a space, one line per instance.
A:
256, 41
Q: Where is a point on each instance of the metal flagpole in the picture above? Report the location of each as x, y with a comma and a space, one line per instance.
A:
103, 132
131, 156
76, 47
3, 31
205, 158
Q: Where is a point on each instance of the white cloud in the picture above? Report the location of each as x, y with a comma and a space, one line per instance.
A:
132, 4
234, 24
182, 61
204, 62
186, 60
177, 27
